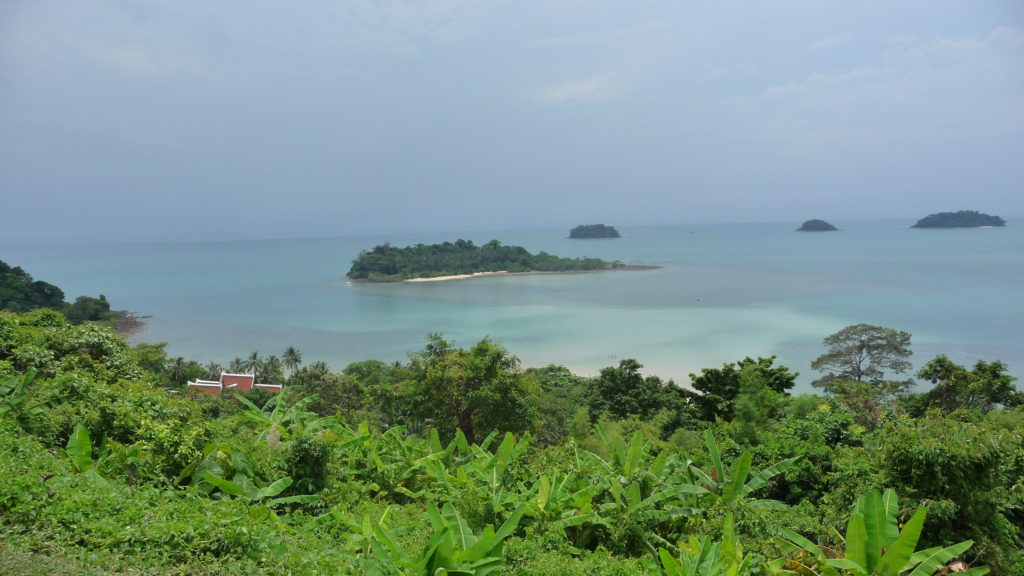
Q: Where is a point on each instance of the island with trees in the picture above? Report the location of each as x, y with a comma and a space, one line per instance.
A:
816, 226
961, 219
463, 258
594, 231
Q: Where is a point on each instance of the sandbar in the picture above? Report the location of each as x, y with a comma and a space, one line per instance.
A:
628, 267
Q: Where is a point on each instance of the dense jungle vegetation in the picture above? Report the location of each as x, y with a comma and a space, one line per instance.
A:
460, 461
386, 263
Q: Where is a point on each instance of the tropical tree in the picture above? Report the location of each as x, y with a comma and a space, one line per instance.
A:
271, 370
956, 387
236, 366
213, 370
719, 388
476, 391
622, 391
292, 359
251, 363
863, 353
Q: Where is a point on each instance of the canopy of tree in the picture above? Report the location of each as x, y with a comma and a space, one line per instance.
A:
863, 353
19, 292
816, 226
594, 231
961, 219
386, 263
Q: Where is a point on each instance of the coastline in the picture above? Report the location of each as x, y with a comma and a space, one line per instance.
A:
628, 267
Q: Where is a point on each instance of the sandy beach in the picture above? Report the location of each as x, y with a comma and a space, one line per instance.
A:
463, 276
628, 267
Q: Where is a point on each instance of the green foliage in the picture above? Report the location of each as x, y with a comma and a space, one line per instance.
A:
278, 420
307, 463
88, 309
79, 449
957, 468
475, 391
705, 557
982, 389
733, 485
387, 263
622, 392
107, 467
876, 544
452, 549
719, 388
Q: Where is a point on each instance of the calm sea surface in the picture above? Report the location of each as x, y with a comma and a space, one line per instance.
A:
724, 292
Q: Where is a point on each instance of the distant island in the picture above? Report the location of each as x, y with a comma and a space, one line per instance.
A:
463, 259
816, 226
961, 219
594, 231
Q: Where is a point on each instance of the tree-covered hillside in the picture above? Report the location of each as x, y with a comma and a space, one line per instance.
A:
961, 219
462, 461
19, 292
387, 263
594, 231
816, 226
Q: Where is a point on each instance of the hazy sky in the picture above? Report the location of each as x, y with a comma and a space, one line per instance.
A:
161, 119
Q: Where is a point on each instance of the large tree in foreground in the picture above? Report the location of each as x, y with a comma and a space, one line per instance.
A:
863, 353
477, 391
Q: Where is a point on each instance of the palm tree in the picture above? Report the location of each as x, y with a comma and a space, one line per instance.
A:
177, 371
236, 366
292, 359
213, 370
252, 363
271, 370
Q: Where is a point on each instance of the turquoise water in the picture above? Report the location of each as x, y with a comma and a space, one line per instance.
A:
724, 292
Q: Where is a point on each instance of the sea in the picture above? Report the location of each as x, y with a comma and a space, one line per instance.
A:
723, 292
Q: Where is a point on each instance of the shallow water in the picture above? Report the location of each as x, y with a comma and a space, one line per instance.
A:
724, 292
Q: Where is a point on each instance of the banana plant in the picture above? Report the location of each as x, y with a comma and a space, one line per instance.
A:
729, 485
875, 545
453, 548
283, 420
639, 492
16, 402
390, 464
79, 449
704, 557
564, 502
221, 462
489, 473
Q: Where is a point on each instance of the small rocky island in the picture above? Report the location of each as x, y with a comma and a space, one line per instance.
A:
816, 226
463, 259
594, 231
961, 219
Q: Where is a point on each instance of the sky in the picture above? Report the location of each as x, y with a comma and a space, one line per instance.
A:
177, 119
